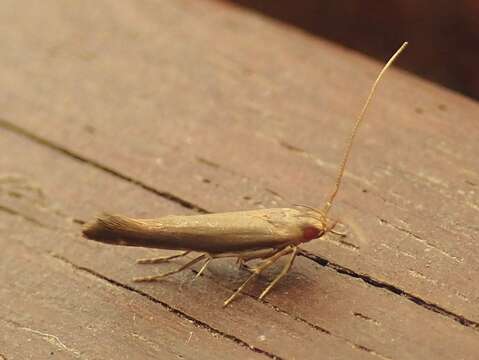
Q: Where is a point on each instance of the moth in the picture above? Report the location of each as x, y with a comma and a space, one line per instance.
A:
265, 234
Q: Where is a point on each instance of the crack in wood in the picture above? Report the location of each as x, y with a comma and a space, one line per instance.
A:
430, 181
365, 317
325, 331
302, 320
420, 275
207, 162
177, 312
372, 352
338, 268
398, 250
322, 163
24, 217
421, 240
111, 282
394, 289
39, 140
369, 184
343, 243
214, 165
19, 186
78, 221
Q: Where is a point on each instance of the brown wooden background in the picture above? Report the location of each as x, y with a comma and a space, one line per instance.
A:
150, 108
443, 34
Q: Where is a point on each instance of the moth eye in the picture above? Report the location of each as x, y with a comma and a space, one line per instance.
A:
310, 233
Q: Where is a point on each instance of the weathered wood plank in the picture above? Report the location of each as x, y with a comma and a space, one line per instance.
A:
136, 99
23, 343
348, 317
72, 311
46, 210
137, 89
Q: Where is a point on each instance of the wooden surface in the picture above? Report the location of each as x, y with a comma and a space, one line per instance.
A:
177, 107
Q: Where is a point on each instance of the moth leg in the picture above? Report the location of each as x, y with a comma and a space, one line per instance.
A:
157, 260
242, 264
342, 234
258, 270
257, 254
208, 259
281, 274
159, 276
244, 257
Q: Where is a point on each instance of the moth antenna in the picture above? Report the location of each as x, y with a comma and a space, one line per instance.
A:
349, 143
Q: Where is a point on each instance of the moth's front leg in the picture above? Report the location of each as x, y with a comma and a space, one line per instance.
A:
266, 263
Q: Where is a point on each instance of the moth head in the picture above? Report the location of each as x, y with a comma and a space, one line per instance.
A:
318, 226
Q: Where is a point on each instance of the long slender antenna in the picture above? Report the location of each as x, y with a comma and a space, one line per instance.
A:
349, 145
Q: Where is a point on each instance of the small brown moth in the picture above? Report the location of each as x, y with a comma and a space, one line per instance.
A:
266, 234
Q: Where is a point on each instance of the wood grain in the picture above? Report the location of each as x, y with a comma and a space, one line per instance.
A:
155, 108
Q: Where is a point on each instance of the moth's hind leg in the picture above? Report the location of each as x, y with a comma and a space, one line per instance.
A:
161, 259
241, 258
206, 257
185, 266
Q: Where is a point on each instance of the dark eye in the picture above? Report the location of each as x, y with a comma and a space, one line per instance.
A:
310, 233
